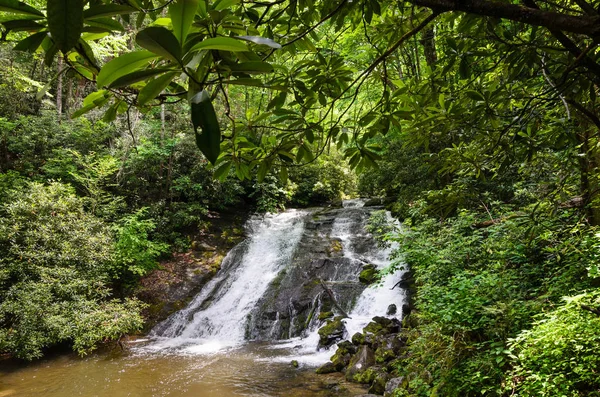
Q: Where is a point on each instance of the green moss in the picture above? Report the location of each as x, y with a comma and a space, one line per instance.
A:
325, 315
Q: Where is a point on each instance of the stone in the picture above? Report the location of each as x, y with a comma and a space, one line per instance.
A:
326, 368
392, 385
202, 246
360, 362
391, 310
379, 383
368, 275
358, 339
325, 315
331, 333
295, 364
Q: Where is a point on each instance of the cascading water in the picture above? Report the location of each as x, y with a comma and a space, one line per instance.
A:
215, 319
294, 266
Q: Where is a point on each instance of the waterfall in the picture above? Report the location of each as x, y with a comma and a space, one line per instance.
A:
274, 285
216, 317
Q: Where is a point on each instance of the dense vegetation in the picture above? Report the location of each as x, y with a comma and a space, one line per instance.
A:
478, 120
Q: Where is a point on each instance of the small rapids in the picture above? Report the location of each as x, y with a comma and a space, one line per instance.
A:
219, 317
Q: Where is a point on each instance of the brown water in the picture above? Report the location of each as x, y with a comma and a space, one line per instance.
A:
250, 371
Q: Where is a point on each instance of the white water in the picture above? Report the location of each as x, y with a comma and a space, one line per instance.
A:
234, 292
216, 318
374, 300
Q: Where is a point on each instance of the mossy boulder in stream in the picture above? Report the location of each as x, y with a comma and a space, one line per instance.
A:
368, 275
331, 332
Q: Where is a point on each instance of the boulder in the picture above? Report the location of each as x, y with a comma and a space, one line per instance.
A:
202, 246
331, 333
392, 385
326, 368
391, 310
368, 275
379, 383
358, 339
360, 362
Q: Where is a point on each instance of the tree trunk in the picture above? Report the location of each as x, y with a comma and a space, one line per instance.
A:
59, 88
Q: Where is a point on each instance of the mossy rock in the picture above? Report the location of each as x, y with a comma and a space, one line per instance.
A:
331, 332
365, 377
325, 315
326, 368
368, 275
383, 354
358, 339
379, 382
373, 328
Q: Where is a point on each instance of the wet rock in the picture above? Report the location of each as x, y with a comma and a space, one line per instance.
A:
331, 333
392, 385
347, 347
358, 339
202, 246
368, 275
391, 310
373, 202
360, 362
378, 384
326, 368
325, 315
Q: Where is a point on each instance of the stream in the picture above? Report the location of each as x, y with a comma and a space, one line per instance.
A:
240, 335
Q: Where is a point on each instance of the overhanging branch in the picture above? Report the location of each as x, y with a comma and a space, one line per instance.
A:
581, 24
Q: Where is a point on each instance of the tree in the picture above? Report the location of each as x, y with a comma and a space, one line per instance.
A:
288, 57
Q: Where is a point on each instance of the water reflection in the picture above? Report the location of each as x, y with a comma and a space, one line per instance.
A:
251, 371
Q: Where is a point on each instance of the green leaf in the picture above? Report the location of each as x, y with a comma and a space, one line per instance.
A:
220, 43
107, 10
474, 95
123, 65
283, 175
261, 41
223, 170
154, 88
136, 76
182, 14
160, 41
65, 22
22, 25
251, 67
205, 118
31, 43
262, 171
107, 24
223, 4
18, 7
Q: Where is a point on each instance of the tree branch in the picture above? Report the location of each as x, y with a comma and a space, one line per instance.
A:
583, 24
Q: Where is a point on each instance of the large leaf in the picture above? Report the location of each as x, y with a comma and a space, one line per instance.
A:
154, 88
261, 41
65, 22
31, 43
182, 14
18, 7
107, 24
251, 67
22, 25
136, 76
205, 118
160, 41
221, 43
123, 65
107, 10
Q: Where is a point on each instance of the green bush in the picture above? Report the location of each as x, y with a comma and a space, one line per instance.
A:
559, 355
55, 262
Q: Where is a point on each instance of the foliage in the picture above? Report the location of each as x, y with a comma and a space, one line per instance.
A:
54, 274
135, 252
558, 356
477, 288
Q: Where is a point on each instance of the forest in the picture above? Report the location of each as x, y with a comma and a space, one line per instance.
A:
126, 126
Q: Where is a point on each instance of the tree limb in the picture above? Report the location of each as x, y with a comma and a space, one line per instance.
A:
582, 24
